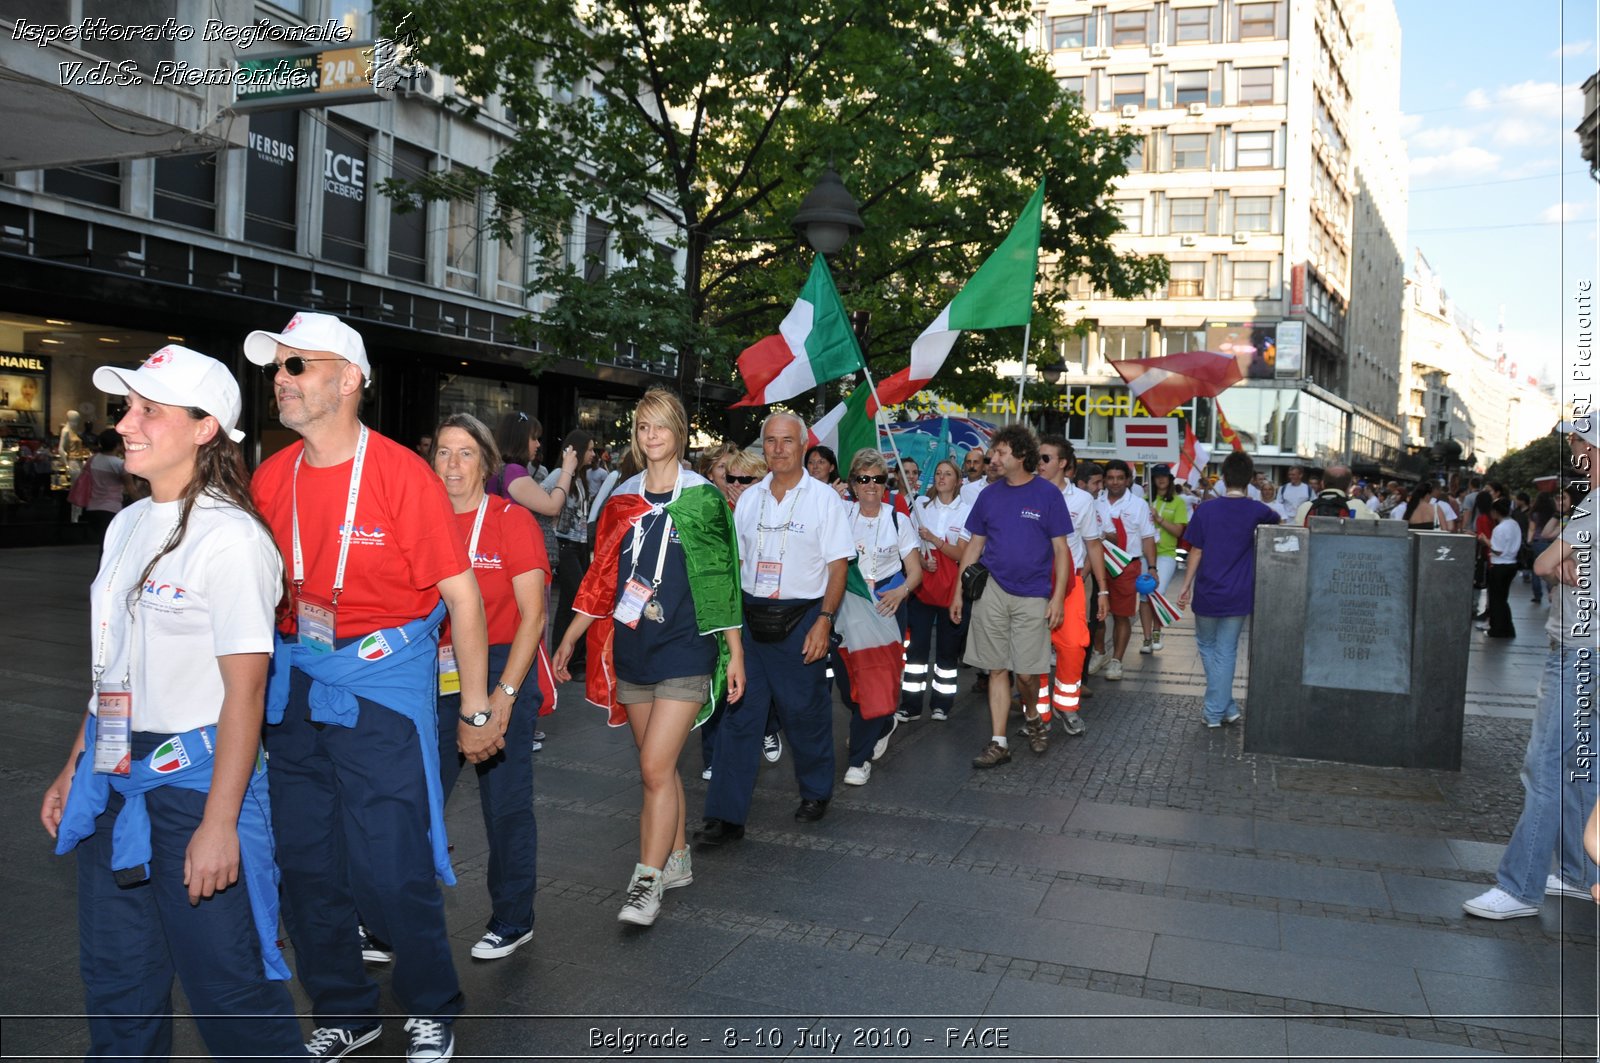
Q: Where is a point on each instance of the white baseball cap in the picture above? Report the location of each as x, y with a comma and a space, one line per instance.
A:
177, 376
1586, 428
311, 332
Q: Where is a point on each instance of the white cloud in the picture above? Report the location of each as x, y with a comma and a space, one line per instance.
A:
1543, 99
1477, 100
1571, 49
1564, 212
1463, 161
1410, 123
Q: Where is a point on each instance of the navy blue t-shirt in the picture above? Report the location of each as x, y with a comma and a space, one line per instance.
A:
671, 648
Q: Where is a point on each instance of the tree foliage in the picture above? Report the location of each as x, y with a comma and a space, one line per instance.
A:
721, 115
1543, 457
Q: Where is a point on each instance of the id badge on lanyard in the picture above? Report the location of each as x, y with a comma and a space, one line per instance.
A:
636, 594
316, 621
769, 574
113, 739
449, 674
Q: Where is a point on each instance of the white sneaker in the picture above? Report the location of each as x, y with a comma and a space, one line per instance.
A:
881, 746
492, 945
772, 747
1097, 661
1147, 646
643, 903
858, 775
1156, 643
1113, 670
1498, 904
431, 1042
335, 1042
678, 871
940, 715
1555, 887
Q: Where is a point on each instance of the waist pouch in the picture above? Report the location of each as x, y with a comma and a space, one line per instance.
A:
974, 580
773, 623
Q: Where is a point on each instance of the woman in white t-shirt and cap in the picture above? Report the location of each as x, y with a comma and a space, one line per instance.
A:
164, 793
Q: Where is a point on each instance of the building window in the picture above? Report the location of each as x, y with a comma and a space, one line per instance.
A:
1075, 85
1071, 31
1253, 151
99, 183
1191, 86
186, 190
461, 245
1127, 90
511, 275
1187, 215
1130, 28
1252, 214
1256, 84
1189, 151
596, 236
1131, 211
1252, 280
344, 195
1134, 160
271, 175
1191, 25
1187, 280
1256, 21
408, 231
353, 15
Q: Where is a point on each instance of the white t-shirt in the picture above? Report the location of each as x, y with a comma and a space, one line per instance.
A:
1085, 513
972, 489
1292, 495
1252, 491
1135, 515
882, 542
214, 595
805, 532
1504, 542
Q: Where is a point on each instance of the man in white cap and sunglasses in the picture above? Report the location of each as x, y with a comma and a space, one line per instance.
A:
375, 564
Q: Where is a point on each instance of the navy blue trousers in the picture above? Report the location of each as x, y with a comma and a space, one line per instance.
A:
774, 676
350, 808
505, 791
133, 939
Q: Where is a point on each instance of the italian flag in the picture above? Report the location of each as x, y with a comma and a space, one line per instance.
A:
849, 426
870, 648
998, 295
814, 344
1116, 557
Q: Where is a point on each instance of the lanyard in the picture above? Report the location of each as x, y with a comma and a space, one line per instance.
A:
871, 548
111, 597
477, 526
345, 531
660, 513
761, 524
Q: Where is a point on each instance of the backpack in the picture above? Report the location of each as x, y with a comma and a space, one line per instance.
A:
1328, 504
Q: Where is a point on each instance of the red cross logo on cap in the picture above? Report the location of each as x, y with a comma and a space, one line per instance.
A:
293, 321
159, 359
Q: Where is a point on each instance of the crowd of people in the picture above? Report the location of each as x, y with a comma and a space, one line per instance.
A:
369, 620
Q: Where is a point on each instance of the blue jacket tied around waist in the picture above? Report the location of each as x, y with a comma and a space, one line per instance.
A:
189, 760
394, 667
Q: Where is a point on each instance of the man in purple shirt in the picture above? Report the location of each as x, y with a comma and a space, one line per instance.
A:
1221, 573
1019, 527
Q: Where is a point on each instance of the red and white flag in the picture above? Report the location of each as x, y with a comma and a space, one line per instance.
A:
1192, 457
1164, 384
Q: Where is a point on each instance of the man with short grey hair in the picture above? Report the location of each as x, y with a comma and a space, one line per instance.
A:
1335, 492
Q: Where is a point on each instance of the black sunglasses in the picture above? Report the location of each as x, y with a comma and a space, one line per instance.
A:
294, 365
879, 480
747, 480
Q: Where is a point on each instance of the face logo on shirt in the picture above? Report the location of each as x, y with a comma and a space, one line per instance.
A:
162, 597
1031, 514
488, 561
170, 756
169, 592
365, 534
374, 647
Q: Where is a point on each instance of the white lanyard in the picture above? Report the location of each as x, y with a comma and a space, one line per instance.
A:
477, 526
666, 534
345, 531
870, 549
111, 598
761, 524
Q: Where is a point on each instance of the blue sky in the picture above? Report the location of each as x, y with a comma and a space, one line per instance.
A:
1501, 202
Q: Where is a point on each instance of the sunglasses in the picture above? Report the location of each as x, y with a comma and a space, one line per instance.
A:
294, 365
879, 480
746, 480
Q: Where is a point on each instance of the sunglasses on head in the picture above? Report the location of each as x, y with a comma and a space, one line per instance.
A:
880, 480
294, 365
746, 480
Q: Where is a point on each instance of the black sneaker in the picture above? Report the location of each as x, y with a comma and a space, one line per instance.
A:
431, 1042
373, 950
336, 1042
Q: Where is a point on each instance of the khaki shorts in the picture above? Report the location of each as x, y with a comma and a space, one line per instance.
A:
691, 688
1008, 633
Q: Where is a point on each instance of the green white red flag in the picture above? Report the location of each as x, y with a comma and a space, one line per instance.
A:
814, 344
870, 647
1116, 557
849, 426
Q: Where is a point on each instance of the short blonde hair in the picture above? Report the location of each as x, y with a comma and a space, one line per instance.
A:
666, 409
747, 463
868, 458
711, 455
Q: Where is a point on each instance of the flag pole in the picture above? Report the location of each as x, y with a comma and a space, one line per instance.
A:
1022, 379
911, 509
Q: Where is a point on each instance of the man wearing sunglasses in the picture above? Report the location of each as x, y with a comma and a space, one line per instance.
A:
376, 562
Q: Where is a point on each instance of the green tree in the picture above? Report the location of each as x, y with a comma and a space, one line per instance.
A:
1543, 457
721, 114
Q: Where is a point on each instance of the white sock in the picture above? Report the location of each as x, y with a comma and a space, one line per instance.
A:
1001, 740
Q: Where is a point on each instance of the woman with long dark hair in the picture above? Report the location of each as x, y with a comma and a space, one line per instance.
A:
572, 533
1424, 512
1543, 529
165, 785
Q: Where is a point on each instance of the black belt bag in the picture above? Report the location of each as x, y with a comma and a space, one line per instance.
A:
974, 580
769, 622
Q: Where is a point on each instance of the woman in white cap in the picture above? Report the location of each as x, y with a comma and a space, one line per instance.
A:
164, 793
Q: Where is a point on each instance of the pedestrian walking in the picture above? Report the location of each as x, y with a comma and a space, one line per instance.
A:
933, 653
1504, 543
1124, 521
1061, 692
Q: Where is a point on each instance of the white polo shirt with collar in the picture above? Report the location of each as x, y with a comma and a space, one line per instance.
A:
804, 533
1085, 513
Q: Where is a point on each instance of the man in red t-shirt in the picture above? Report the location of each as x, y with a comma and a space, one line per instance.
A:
371, 544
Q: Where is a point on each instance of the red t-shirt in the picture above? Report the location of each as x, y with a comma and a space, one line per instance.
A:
405, 539
509, 545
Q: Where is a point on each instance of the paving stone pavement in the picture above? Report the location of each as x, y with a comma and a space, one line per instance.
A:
1147, 891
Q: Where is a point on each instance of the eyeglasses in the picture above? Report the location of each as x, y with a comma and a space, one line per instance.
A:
745, 480
880, 480
294, 365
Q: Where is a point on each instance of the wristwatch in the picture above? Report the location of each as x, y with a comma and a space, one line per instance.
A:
828, 617
477, 719
510, 691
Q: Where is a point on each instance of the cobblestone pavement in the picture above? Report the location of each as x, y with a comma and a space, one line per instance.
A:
1146, 891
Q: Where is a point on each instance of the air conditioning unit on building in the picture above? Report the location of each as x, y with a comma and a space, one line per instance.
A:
1090, 53
422, 83
1197, 108
1158, 48
1241, 238
1130, 110
1189, 241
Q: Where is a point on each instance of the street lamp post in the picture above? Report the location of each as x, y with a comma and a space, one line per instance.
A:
829, 218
